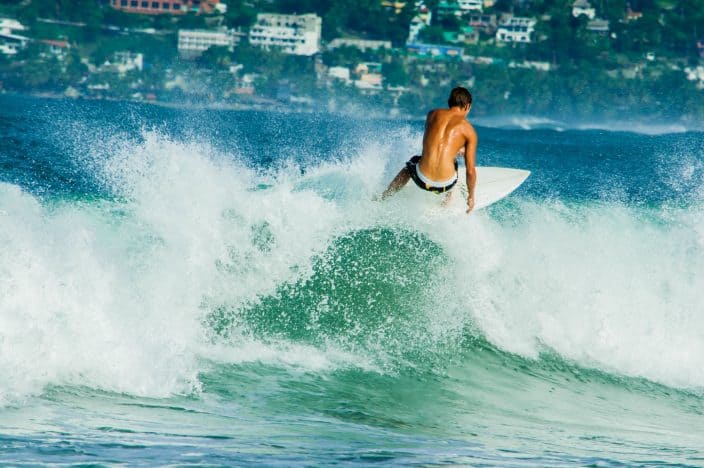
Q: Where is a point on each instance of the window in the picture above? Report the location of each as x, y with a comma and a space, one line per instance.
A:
145, 4
155, 4
123, 3
164, 6
134, 3
176, 6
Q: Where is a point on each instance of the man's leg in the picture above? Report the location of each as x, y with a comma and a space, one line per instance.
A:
448, 196
397, 184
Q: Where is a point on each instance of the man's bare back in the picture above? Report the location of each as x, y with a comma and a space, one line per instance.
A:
447, 133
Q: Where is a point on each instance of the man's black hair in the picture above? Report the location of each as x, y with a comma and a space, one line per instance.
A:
459, 97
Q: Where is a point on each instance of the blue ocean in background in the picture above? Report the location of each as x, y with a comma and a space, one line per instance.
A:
184, 286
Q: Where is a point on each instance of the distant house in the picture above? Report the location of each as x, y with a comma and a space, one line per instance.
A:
435, 51
9, 26
368, 76
632, 15
695, 74
466, 35
449, 8
471, 5
599, 26
127, 61
361, 44
293, 34
168, 7
340, 73
58, 49
193, 42
483, 23
11, 42
414, 29
367, 67
395, 5
583, 7
531, 64
516, 29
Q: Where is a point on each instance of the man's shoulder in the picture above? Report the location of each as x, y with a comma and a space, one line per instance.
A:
469, 128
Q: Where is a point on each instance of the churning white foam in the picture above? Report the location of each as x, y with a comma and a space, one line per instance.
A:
113, 294
608, 286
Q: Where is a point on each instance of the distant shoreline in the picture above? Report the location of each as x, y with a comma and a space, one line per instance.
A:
512, 122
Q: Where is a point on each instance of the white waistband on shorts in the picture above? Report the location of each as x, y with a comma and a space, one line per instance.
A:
433, 183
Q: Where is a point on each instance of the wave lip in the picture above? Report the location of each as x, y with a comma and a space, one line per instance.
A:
529, 122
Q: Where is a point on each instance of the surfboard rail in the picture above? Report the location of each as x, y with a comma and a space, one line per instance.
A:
493, 184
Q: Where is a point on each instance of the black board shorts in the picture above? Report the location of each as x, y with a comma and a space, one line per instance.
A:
412, 166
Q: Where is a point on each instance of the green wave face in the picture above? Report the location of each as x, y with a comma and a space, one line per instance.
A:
368, 292
376, 293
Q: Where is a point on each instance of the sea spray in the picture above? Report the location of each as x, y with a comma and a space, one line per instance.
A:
232, 293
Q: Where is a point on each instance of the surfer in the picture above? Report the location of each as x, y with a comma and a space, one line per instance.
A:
447, 134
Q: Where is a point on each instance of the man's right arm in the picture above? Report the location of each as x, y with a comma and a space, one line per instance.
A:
470, 154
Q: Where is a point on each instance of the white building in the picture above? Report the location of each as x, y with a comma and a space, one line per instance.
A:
414, 29
516, 29
471, 5
695, 74
58, 49
294, 34
193, 42
361, 44
340, 73
128, 61
599, 26
530, 64
583, 7
9, 25
10, 42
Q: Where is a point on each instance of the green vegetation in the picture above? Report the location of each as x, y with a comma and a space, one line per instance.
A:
591, 74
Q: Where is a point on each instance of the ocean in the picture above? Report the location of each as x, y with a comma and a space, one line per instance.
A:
213, 287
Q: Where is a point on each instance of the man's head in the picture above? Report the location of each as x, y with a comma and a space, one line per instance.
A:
460, 97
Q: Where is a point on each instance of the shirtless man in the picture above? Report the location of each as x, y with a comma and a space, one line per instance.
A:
447, 133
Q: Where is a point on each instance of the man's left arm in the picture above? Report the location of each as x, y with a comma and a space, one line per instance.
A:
470, 154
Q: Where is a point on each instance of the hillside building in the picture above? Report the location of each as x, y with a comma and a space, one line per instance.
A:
168, 7
58, 49
395, 5
598, 26
484, 23
516, 29
361, 44
449, 8
126, 61
583, 7
632, 15
293, 34
471, 5
193, 42
11, 42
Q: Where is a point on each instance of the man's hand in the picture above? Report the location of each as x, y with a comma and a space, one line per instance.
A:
470, 204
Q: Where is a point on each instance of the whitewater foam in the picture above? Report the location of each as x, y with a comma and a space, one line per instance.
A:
114, 294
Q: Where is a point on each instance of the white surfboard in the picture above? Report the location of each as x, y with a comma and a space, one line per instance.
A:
493, 184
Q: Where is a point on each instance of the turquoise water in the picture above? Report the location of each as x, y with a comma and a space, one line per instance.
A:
192, 287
